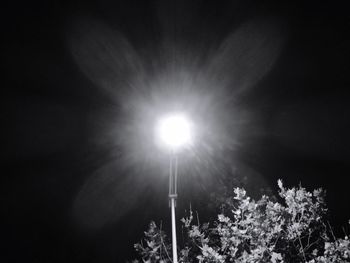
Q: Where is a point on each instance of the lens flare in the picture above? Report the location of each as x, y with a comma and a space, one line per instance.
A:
210, 84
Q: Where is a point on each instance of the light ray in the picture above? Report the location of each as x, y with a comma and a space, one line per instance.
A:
209, 93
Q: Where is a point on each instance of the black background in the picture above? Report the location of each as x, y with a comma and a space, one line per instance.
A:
46, 104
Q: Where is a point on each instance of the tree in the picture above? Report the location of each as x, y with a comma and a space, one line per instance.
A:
292, 228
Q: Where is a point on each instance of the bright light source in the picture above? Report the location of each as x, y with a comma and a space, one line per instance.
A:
174, 131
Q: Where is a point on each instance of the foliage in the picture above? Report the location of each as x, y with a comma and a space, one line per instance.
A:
292, 230
157, 248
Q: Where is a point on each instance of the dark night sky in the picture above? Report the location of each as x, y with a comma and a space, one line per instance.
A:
51, 110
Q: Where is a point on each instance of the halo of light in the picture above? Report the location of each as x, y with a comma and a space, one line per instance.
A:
174, 131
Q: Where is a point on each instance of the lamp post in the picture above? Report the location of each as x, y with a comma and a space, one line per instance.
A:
174, 132
172, 201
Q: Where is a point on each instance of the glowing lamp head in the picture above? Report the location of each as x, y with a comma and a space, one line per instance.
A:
174, 131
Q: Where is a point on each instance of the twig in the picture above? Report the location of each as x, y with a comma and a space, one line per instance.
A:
308, 238
162, 241
197, 218
344, 231
331, 230
302, 248
307, 247
182, 234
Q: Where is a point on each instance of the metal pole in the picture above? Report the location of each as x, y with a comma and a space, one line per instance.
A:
172, 197
173, 230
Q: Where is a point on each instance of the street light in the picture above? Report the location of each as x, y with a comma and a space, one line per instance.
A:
174, 132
